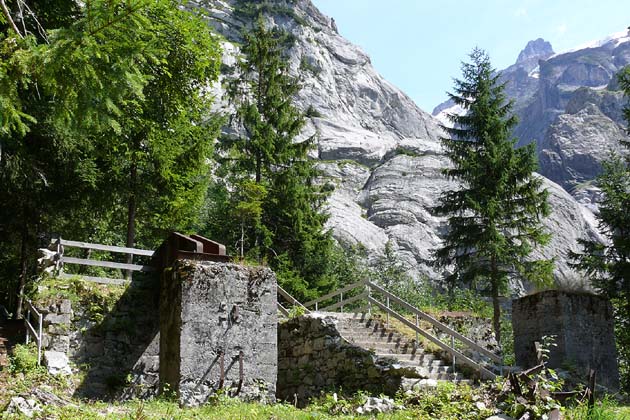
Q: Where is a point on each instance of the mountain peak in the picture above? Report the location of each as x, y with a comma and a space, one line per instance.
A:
535, 50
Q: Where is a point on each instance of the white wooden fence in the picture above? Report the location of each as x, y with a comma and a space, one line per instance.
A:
58, 246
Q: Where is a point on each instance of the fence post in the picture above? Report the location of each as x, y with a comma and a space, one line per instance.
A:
28, 321
417, 326
453, 347
387, 319
39, 341
369, 292
341, 300
315, 306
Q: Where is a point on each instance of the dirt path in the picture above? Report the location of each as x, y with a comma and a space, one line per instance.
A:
11, 333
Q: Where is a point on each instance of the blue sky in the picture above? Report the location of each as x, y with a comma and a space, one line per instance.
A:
418, 44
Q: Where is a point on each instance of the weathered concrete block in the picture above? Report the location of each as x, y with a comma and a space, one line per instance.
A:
583, 327
54, 318
218, 326
65, 306
59, 343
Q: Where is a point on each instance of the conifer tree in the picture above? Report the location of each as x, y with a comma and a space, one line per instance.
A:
100, 112
290, 233
609, 264
494, 219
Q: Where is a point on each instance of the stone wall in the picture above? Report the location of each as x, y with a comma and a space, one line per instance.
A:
118, 351
476, 328
218, 317
313, 357
583, 327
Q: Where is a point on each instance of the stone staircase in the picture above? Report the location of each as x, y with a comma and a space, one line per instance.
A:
372, 334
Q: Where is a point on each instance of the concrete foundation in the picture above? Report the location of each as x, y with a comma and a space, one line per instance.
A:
218, 330
583, 327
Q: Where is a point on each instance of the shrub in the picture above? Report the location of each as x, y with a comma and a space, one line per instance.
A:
24, 359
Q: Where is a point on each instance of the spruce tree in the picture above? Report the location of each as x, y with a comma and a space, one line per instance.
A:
289, 233
494, 219
609, 264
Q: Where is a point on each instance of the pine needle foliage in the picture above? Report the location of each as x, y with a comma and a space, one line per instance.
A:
288, 233
494, 219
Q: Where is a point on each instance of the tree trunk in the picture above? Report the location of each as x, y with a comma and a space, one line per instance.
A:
131, 215
257, 239
242, 239
23, 272
496, 317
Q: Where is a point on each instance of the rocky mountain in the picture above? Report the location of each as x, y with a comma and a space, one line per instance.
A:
570, 105
538, 49
381, 151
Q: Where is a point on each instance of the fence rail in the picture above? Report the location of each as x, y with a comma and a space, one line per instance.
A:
56, 255
32, 331
315, 303
110, 248
283, 295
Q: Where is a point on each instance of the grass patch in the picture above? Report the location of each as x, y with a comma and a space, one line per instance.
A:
604, 410
96, 299
448, 402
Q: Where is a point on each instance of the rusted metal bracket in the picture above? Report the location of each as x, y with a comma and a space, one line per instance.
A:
240, 371
188, 247
221, 368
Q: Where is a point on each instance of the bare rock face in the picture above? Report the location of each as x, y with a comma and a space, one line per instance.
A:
379, 149
402, 193
538, 49
576, 145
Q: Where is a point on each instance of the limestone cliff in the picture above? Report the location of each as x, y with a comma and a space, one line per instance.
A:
382, 151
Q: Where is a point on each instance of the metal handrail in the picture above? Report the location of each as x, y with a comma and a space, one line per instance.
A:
293, 301
452, 351
338, 292
426, 317
290, 299
371, 288
348, 301
30, 329
283, 310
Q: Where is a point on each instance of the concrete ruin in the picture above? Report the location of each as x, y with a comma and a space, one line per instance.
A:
583, 328
202, 325
218, 324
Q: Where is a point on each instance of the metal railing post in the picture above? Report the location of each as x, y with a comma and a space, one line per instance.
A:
28, 321
387, 319
315, 306
39, 340
417, 326
369, 295
453, 347
341, 301
502, 359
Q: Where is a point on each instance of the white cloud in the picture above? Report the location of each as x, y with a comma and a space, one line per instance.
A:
520, 12
562, 29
